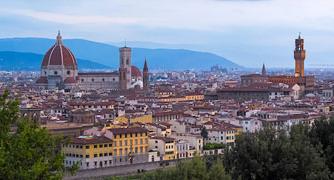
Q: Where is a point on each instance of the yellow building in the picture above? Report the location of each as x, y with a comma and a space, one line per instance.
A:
165, 146
130, 144
194, 97
117, 146
89, 152
135, 119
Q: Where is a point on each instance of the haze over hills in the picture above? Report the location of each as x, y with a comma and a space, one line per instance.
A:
105, 54
19, 61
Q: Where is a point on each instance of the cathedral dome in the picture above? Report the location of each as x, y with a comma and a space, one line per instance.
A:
59, 55
135, 72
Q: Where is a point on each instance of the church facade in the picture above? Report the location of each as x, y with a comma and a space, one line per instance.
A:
59, 70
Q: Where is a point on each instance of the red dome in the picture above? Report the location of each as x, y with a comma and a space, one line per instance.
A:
58, 54
135, 71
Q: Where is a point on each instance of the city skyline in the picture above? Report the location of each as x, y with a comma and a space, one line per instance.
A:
232, 29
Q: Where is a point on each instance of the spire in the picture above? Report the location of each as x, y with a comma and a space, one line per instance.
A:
145, 65
299, 36
264, 71
59, 38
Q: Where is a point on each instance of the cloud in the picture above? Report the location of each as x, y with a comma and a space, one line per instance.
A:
62, 18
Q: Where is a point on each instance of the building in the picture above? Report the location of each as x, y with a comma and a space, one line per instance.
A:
130, 144
299, 77
299, 55
166, 147
89, 152
145, 77
59, 70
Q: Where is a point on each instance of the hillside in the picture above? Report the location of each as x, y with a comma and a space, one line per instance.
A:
169, 59
17, 61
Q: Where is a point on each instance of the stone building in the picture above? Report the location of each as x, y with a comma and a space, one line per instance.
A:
299, 77
59, 70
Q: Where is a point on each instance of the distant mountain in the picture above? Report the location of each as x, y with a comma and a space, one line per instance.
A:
18, 61
168, 59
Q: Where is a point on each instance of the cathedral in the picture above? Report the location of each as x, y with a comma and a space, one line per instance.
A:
59, 70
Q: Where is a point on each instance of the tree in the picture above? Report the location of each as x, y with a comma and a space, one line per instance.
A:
322, 136
30, 152
204, 133
217, 172
275, 154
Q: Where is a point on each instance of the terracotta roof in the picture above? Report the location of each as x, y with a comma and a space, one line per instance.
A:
42, 80
70, 80
90, 140
59, 55
135, 71
128, 130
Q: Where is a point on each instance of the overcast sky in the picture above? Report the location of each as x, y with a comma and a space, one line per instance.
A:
248, 32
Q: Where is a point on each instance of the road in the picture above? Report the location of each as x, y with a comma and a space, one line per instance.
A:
100, 173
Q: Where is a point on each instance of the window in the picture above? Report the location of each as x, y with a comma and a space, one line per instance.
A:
87, 156
95, 155
82, 80
110, 145
110, 154
102, 79
95, 163
92, 79
101, 145
87, 164
105, 154
87, 147
105, 145
100, 154
68, 72
95, 146
56, 72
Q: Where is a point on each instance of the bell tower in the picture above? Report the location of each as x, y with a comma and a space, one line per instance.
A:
145, 76
124, 68
299, 55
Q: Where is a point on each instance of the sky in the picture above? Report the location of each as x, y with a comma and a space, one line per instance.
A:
248, 32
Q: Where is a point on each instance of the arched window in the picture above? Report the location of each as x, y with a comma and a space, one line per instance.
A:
68, 72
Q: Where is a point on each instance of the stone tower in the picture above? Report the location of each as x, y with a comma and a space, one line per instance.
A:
145, 76
264, 71
299, 55
124, 68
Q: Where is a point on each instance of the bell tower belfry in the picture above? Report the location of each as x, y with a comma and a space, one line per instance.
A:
299, 55
125, 68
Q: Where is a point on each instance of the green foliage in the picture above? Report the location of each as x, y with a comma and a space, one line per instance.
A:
322, 136
204, 133
275, 154
9, 110
29, 152
195, 169
210, 146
